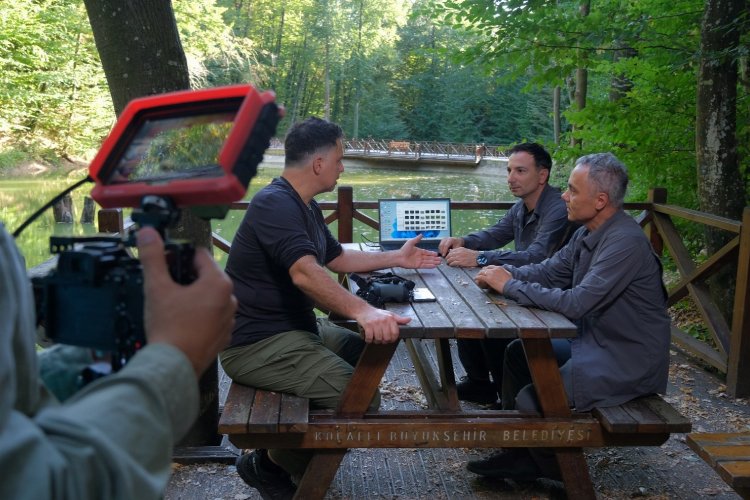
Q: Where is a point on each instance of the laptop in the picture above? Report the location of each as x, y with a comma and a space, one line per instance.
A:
403, 219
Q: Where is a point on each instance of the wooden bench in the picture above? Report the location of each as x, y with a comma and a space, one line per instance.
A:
248, 411
261, 419
728, 454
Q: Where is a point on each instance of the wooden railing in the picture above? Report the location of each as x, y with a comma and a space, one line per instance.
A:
732, 353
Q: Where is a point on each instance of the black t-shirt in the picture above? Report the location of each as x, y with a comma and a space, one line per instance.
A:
278, 229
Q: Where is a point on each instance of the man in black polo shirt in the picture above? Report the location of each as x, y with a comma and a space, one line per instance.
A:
279, 263
538, 225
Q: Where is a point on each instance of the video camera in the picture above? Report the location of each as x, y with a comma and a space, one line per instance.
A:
190, 149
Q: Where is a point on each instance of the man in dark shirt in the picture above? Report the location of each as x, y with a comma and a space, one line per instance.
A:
538, 226
607, 280
279, 263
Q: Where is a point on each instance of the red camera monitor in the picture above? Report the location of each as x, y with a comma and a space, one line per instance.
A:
196, 147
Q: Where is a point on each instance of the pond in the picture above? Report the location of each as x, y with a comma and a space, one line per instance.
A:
19, 198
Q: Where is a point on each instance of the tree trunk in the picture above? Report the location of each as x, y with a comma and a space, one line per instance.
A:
87, 214
139, 47
327, 104
621, 84
63, 210
141, 53
582, 76
556, 113
720, 190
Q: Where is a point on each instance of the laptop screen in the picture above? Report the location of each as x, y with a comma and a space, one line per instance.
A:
402, 219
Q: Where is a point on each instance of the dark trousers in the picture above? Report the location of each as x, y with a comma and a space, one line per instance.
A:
518, 392
482, 359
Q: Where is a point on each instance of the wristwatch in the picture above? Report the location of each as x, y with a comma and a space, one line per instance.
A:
481, 259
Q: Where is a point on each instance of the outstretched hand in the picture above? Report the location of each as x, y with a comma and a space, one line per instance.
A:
413, 257
196, 318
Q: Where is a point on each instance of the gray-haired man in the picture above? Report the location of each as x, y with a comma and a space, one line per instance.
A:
607, 280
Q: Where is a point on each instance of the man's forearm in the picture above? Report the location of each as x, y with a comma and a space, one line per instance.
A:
355, 261
324, 290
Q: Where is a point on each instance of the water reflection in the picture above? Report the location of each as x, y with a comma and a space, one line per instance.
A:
20, 198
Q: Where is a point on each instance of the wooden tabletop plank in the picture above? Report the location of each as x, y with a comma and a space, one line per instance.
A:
497, 323
436, 322
532, 322
413, 329
463, 318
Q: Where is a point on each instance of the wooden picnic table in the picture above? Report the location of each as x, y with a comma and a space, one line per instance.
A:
255, 418
462, 310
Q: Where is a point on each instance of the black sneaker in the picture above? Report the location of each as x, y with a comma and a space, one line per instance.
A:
271, 485
477, 392
513, 463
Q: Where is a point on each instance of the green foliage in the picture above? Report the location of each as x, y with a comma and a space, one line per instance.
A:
649, 49
52, 91
444, 70
11, 158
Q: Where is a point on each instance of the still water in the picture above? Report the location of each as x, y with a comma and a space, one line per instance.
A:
20, 198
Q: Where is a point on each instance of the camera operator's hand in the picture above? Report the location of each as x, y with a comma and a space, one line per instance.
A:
380, 326
195, 318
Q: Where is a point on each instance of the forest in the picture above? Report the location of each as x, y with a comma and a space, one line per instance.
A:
662, 84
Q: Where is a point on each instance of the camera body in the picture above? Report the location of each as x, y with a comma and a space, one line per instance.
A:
94, 297
191, 149
380, 288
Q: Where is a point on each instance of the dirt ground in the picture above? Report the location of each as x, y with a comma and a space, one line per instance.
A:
671, 471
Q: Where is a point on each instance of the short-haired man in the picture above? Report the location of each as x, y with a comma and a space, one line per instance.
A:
279, 262
609, 281
538, 226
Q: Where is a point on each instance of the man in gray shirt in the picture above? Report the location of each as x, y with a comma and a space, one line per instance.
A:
607, 280
538, 226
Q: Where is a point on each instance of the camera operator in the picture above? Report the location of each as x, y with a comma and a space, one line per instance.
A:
114, 438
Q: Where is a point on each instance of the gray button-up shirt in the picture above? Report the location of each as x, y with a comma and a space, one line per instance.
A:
609, 283
544, 231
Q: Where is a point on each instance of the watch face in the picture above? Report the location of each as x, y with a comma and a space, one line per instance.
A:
481, 259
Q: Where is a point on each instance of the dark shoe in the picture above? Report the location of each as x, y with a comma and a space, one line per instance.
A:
476, 392
270, 484
514, 463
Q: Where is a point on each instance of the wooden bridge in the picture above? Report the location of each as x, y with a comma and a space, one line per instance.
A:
416, 151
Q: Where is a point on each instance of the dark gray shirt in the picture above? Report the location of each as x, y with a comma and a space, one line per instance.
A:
536, 235
278, 229
609, 283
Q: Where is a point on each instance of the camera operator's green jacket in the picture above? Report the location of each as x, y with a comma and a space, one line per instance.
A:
113, 439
